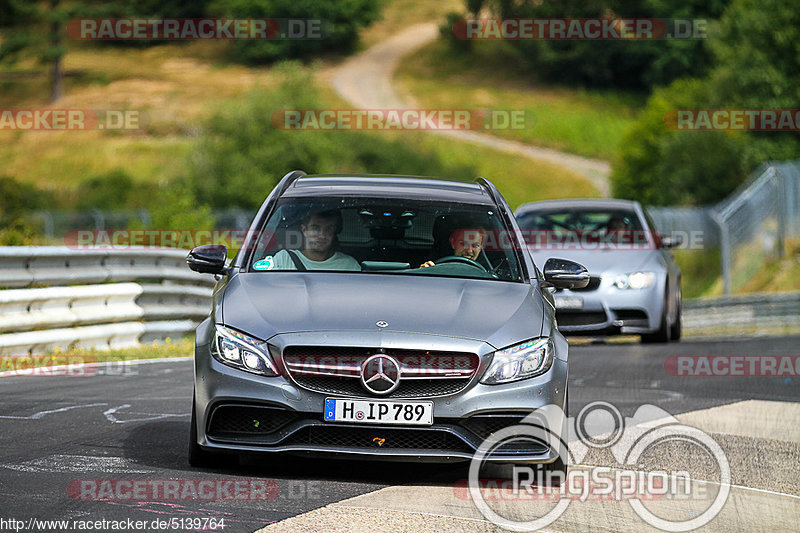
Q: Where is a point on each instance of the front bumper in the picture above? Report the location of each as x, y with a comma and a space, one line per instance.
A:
610, 310
241, 412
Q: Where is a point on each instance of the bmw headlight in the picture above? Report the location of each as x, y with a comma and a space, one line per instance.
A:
635, 280
520, 361
241, 351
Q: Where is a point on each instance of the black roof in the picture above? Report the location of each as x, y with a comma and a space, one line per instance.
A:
575, 203
388, 186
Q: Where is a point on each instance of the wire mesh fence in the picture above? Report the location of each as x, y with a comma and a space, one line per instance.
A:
753, 224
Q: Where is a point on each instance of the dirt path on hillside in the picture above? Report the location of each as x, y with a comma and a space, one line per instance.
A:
365, 80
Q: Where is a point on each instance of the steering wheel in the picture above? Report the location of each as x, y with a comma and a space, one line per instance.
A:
463, 260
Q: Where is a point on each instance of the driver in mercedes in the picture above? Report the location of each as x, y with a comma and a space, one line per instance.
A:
466, 243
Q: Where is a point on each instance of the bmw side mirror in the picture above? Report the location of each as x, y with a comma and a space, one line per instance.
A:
565, 274
208, 259
672, 241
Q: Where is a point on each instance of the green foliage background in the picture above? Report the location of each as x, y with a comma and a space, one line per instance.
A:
241, 155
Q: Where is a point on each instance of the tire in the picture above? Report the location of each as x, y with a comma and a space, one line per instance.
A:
675, 330
559, 465
662, 334
198, 457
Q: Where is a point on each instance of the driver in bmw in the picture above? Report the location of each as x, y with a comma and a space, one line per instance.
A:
465, 243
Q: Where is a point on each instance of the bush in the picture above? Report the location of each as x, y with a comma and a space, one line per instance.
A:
17, 198
241, 156
175, 208
111, 190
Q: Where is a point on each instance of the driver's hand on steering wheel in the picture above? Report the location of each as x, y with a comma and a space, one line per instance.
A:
427, 264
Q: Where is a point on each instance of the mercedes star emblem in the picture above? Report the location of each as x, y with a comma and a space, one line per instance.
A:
380, 374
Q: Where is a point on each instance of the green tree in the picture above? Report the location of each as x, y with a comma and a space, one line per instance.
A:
757, 54
661, 166
343, 19
37, 29
610, 63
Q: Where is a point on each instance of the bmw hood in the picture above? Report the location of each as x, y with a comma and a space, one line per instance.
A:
265, 305
602, 260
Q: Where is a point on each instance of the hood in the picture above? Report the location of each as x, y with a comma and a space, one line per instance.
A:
601, 260
264, 305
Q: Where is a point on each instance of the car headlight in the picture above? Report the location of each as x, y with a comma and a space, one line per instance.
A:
520, 361
241, 351
635, 280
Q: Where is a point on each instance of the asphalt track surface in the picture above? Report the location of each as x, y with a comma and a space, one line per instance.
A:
132, 424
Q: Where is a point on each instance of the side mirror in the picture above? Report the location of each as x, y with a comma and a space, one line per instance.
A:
565, 274
208, 259
671, 242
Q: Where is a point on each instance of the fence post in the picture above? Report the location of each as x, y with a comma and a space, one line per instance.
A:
790, 181
780, 189
725, 252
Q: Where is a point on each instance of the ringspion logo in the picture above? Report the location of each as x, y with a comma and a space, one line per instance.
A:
599, 425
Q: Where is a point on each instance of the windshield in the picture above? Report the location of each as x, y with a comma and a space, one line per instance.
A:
382, 236
583, 228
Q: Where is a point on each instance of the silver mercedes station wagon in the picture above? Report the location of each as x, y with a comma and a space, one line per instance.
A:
382, 317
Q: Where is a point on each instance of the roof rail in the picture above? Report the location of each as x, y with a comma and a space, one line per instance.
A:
287, 181
490, 188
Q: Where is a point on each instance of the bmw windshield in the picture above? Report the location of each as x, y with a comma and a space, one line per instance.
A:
386, 236
576, 228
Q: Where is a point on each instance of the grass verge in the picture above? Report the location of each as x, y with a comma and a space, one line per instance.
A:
155, 350
588, 123
85, 362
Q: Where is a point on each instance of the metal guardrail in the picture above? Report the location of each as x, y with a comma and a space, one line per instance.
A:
751, 314
26, 266
96, 313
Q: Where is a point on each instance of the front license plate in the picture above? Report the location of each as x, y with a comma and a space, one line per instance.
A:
569, 302
379, 412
